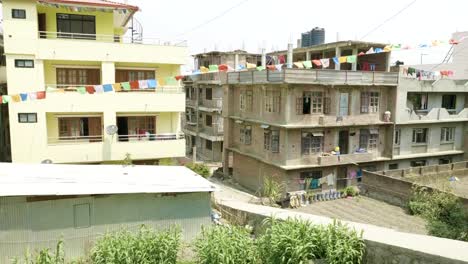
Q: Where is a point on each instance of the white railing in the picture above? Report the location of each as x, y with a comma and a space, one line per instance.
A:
74, 139
159, 89
110, 38
150, 137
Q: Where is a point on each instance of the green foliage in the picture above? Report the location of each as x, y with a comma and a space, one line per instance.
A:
146, 246
45, 256
350, 191
298, 241
227, 245
443, 211
128, 160
167, 162
199, 168
272, 189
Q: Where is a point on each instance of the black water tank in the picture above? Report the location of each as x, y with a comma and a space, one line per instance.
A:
317, 36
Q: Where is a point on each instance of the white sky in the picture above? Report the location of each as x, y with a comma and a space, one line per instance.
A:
272, 23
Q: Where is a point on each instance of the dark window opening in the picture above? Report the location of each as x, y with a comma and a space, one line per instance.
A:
445, 161
418, 163
18, 13
393, 166
24, 63
311, 179
76, 26
27, 117
208, 145
449, 101
209, 93
208, 120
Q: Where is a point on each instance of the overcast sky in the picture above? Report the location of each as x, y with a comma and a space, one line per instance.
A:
272, 23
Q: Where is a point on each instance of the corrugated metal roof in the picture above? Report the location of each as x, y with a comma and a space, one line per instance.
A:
100, 3
54, 179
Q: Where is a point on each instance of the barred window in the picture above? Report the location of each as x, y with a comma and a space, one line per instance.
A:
272, 101
446, 134
317, 102
312, 143
246, 100
368, 139
266, 139
246, 135
275, 138
397, 137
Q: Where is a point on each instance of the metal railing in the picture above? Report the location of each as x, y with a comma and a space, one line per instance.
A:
75, 139
159, 89
110, 38
150, 137
313, 76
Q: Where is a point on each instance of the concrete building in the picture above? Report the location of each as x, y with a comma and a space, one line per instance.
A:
70, 43
41, 204
290, 124
203, 124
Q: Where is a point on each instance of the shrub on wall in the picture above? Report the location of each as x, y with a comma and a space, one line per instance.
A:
199, 168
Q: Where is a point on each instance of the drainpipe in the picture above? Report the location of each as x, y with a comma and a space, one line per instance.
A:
263, 57
290, 55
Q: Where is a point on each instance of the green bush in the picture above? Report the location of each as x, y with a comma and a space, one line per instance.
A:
146, 246
226, 245
199, 168
350, 191
343, 245
444, 212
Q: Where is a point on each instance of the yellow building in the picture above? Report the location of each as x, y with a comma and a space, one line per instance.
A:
65, 44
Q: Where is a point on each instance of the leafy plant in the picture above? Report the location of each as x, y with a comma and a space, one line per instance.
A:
127, 161
199, 168
272, 189
167, 162
350, 191
343, 245
146, 246
45, 256
225, 244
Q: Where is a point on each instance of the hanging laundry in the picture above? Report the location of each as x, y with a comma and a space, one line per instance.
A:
213, 68
453, 42
98, 88
271, 67
81, 90
322, 180
90, 89
107, 88
330, 179
314, 184
16, 98
411, 71
342, 59
336, 60
223, 67
279, 67
24, 97
32, 96
378, 50
125, 86
169, 81
281, 59
134, 85
307, 64
204, 69
260, 68
361, 53
178, 78
396, 46
52, 89
143, 84
299, 65
240, 67
117, 87
370, 51
251, 65
196, 72
325, 63
351, 59
41, 95
152, 83
317, 63
387, 48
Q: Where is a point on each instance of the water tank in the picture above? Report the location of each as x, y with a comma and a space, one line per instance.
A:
317, 36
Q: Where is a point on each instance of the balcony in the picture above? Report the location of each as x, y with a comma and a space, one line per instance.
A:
213, 132
345, 159
336, 121
434, 114
215, 104
95, 47
168, 89
303, 76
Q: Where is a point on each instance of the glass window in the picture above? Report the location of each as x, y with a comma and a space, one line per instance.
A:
18, 13
317, 102
266, 139
76, 26
27, 117
419, 135
275, 141
446, 134
397, 137
312, 143
445, 161
418, 163
24, 63
272, 101
208, 144
449, 101
393, 166
369, 102
246, 135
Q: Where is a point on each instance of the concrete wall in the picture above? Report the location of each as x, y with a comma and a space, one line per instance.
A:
39, 224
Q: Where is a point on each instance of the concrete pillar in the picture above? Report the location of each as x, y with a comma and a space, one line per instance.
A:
226, 162
290, 56
236, 61
194, 153
388, 56
263, 57
337, 54
354, 65
107, 72
307, 55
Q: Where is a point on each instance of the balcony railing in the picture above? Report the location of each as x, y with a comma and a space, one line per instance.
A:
74, 139
159, 89
313, 76
110, 38
215, 129
213, 103
150, 137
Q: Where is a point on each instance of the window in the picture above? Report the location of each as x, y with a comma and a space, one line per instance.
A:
208, 120
27, 117
208, 144
71, 76
266, 139
312, 143
397, 138
80, 127
445, 161
134, 75
418, 163
393, 166
419, 136
368, 139
310, 102
18, 13
275, 141
246, 100
81, 213
369, 102
208, 93
449, 101
246, 135
272, 101
24, 63
418, 100
76, 26
446, 134
311, 178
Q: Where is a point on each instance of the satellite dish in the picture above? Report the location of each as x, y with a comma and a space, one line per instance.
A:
46, 161
112, 129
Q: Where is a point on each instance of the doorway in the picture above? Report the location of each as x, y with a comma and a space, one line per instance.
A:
41, 21
341, 180
343, 141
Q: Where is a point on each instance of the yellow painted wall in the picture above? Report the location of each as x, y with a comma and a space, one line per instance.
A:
104, 20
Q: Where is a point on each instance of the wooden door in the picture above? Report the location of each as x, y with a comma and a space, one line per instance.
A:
95, 129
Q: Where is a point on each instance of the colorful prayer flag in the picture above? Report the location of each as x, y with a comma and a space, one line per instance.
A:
41, 95
317, 63
342, 59
335, 60
16, 98
370, 51
307, 64
98, 88
179, 77
325, 63
6, 99
204, 69
279, 67
32, 96
134, 85
213, 68
108, 88
260, 68
90, 89
361, 53
351, 59
24, 96
81, 89
299, 65
152, 83
378, 50
251, 65
223, 67
271, 67
143, 84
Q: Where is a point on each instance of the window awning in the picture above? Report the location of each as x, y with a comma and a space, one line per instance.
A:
264, 126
